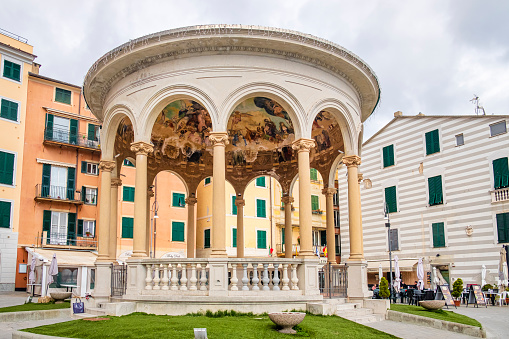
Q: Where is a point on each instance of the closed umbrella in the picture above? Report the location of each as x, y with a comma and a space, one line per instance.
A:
31, 275
397, 281
502, 268
420, 275
436, 279
483, 275
380, 273
53, 270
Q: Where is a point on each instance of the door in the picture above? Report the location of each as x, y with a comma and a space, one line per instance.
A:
58, 182
61, 129
58, 232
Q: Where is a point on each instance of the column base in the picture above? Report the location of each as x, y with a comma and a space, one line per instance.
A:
306, 254
139, 254
218, 254
307, 273
358, 280
102, 288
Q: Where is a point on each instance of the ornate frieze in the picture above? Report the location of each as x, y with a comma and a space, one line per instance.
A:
218, 138
303, 145
115, 182
352, 160
142, 147
107, 165
287, 199
329, 191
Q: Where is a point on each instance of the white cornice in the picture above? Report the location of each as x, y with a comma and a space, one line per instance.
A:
70, 115
55, 163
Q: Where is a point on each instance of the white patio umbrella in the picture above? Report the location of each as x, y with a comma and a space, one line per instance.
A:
31, 275
436, 279
397, 281
420, 275
52, 270
502, 268
483, 275
380, 273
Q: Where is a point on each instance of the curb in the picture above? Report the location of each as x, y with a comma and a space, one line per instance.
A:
436, 323
28, 335
34, 315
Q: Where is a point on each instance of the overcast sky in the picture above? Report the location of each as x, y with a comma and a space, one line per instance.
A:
429, 56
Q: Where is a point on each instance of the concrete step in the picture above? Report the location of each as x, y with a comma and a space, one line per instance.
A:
348, 306
96, 311
355, 312
83, 315
365, 319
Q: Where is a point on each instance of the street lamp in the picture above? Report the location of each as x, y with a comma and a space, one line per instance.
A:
388, 225
153, 226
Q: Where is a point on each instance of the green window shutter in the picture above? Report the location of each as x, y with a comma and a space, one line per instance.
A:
501, 173
63, 96
261, 239
388, 155
6, 168
83, 167
79, 233
71, 229
178, 200
503, 227
12, 70
46, 221
234, 237
234, 207
46, 179
206, 243
323, 238
127, 227
5, 214
438, 234
432, 142
49, 127
128, 193
91, 132
73, 131
283, 235
208, 180
71, 179
260, 208
177, 231
391, 204
83, 193
435, 190
9, 110
314, 174
260, 181
315, 204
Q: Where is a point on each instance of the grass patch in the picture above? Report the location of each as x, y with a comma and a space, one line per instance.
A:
141, 325
35, 307
436, 314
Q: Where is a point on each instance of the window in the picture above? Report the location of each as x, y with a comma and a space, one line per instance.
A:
206, 240
93, 132
432, 142
498, 128
234, 237
282, 235
9, 110
5, 214
261, 239
501, 173
128, 193
314, 174
260, 182
179, 200
435, 190
323, 238
60, 227
393, 239
62, 95
6, 168
388, 155
208, 180
127, 227
338, 245
86, 228
12, 70
58, 182
128, 163
234, 207
391, 204
260, 208
503, 227
89, 195
177, 231
315, 203
460, 140
335, 199
61, 129
438, 234
336, 219
89, 168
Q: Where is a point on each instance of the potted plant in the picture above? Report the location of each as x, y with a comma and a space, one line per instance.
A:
487, 287
457, 289
384, 292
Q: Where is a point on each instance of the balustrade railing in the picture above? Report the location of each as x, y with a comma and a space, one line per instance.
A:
501, 194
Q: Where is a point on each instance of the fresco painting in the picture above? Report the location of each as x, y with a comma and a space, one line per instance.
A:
125, 133
324, 126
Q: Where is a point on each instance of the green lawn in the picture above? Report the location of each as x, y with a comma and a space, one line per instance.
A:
438, 314
141, 325
35, 307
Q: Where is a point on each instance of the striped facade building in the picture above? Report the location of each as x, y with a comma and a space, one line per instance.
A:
444, 182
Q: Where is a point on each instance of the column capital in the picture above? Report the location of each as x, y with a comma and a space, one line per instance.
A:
142, 147
287, 199
239, 202
303, 145
352, 160
116, 182
329, 191
218, 138
191, 200
107, 165
360, 176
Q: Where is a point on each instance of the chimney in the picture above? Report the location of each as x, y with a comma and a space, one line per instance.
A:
398, 114
35, 68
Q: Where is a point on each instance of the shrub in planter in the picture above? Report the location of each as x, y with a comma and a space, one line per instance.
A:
457, 288
384, 288
487, 287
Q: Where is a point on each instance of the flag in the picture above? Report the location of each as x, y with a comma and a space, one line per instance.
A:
270, 251
325, 251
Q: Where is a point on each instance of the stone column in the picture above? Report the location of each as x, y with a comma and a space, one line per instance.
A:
142, 149
106, 166
219, 141
354, 208
329, 212
115, 184
303, 147
151, 234
239, 202
288, 200
191, 227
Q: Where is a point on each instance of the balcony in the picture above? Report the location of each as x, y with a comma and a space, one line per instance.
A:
280, 249
57, 193
61, 241
62, 137
501, 194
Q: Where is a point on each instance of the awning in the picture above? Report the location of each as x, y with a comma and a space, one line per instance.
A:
405, 265
65, 258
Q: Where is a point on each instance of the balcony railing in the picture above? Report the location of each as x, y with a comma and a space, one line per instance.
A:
502, 194
62, 136
280, 249
64, 194
62, 241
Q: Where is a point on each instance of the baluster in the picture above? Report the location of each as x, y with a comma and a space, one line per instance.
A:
255, 280
285, 279
275, 280
156, 278
193, 280
295, 280
164, 280
265, 278
245, 279
183, 279
203, 277
234, 280
174, 279
148, 279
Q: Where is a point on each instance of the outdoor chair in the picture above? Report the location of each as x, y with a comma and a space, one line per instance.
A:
410, 296
429, 295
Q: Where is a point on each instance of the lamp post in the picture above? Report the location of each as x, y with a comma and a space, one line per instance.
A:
388, 225
153, 226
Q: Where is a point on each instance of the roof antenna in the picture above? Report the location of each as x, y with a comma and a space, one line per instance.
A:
478, 108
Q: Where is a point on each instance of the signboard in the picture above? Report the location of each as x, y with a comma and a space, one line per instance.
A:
428, 278
475, 296
444, 293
